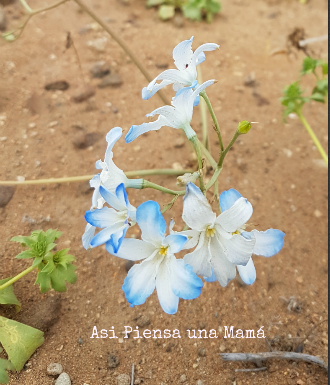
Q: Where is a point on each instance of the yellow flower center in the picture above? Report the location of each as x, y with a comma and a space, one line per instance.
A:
163, 250
236, 232
210, 232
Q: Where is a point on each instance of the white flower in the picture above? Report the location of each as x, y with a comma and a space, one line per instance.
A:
178, 115
186, 74
222, 243
159, 269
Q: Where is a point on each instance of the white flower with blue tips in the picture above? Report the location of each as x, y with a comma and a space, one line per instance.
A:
186, 74
114, 221
178, 115
222, 242
172, 278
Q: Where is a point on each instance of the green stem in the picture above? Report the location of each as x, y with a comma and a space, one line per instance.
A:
313, 136
208, 156
88, 177
205, 135
214, 178
224, 153
123, 46
169, 205
195, 143
147, 184
47, 8
214, 118
20, 275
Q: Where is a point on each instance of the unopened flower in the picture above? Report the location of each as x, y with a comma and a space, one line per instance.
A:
114, 221
172, 278
222, 242
186, 178
178, 115
186, 74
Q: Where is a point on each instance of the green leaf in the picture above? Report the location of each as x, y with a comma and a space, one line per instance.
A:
191, 12
7, 296
19, 341
4, 366
166, 12
62, 258
52, 235
49, 267
62, 274
25, 254
293, 99
43, 279
309, 65
325, 68
318, 97
37, 261
213, 6
153, 3
18, 239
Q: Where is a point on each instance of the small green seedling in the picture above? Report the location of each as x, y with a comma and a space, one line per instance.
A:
54, 270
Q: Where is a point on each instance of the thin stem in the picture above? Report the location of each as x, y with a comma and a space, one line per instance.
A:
169, 205
224, 153
208, 156
26, 6
35, 12
147, 184
122, 45
214, 178
88, 177
195, 143
214, 118
20, 275
205, 135
313, 136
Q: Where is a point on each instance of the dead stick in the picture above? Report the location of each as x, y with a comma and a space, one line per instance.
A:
252, 370
253, 357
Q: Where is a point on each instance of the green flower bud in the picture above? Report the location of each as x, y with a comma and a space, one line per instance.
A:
244, 127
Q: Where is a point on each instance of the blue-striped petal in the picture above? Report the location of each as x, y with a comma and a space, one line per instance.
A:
112, 137
88, 236
182, 54
112, 199
102, 217
166, 296
136, 131
228, 198
176, 242
247, 273
185, 283
268, 243
105, 235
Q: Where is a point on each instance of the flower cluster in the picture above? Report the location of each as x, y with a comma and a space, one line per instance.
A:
218, 244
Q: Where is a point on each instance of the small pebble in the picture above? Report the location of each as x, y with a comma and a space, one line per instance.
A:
201, 352
100, 69
54, 369
317, 213
98, 44
123, 379
80, 341
61, 85
112, 80
183, 378
82, 140
143, 321
177, 166
299, 280
222, 347
287, 152
83, 94
113, 361
63, 379
178, 143
199, 382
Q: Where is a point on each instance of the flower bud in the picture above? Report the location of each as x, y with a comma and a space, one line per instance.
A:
244, 127
186, 178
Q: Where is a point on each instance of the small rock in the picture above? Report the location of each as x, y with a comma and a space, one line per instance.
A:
100, 69
54, 369
222, 347
138, 381
142, 321
6, 193
300, 382
80, 341
287, 152
178, 21
178, 143
63, 379
83, 94
177, 166
129, 265
199, 382
98, 44
82, 140
183, 378
201, 352
61, 85
112, 80
84, 188
113, 361
123, 379
3, 20
299, 280
162, 66
317, 213
169, 347
250, 81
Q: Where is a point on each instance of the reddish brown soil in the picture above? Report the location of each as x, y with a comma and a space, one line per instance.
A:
285, 191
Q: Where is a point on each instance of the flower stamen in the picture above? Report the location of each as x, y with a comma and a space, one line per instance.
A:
210, 232
163, 250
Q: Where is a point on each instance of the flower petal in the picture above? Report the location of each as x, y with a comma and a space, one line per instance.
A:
134, 249
183, 53
112, 199
141, 281
223, 270
268, 243
238, 249
200, 258
228, 198
185, 283
173, 118
88, 236
104, 235
167, 299
147, 94
136, 131
95, 183
174, 76
112, 137
193, 238
201, 58
204, 48
116, 239
196, 102
175, 242
122, 195
151, 222
197, 212
247, 273
235, 217
212, 278
199, 89
112, 176
103, 217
